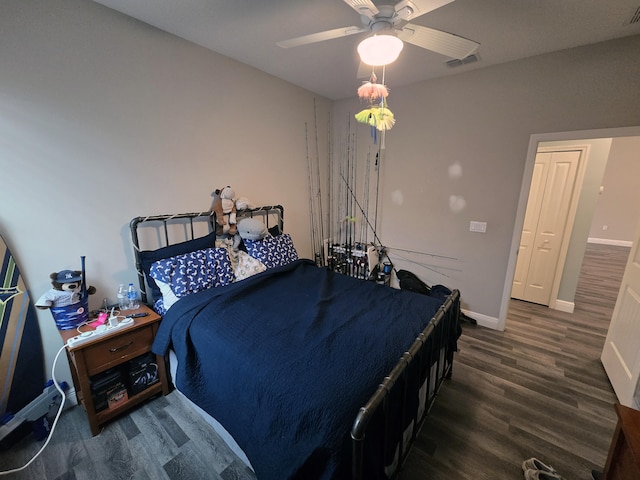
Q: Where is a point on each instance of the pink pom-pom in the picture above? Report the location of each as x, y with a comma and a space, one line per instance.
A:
372, 91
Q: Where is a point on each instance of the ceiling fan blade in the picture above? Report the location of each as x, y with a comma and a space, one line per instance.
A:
320, 36
410, 9
438, 41
363, 7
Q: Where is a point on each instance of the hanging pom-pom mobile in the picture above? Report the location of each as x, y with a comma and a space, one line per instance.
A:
378, 114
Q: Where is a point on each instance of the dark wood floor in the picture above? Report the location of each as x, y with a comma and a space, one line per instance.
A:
536, 389
165, 439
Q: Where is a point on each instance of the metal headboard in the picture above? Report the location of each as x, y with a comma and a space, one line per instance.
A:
272, 215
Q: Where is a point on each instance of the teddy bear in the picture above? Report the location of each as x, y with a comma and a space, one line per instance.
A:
224, 207
66, 290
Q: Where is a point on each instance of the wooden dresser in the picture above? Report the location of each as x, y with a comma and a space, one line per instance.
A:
623, 460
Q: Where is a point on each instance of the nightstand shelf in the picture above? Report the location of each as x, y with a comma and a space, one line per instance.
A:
105, 416
114, 352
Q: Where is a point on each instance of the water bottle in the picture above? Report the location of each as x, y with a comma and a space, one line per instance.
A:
132, 296
123, 301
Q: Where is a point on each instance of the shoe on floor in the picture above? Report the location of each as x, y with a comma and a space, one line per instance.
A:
540, 475
535, 464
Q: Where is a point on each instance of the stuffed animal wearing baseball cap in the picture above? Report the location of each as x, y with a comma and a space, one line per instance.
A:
66, 290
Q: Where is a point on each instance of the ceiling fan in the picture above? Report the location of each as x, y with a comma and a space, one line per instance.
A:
393, 21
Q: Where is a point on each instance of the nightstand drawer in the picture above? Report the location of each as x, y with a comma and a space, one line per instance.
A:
117, 349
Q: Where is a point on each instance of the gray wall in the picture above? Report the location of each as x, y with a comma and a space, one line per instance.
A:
618, 206
482, 121
103, 118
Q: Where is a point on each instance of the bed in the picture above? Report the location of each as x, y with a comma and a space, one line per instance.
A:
305, 372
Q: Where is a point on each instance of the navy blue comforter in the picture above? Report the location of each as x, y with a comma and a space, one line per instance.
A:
285, 359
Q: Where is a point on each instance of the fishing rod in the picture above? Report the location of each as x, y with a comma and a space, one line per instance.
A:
365, 200
375, 219
329, 186
349, 204
428, 267
346, 197
319, 194
423, 253
354, 182
364, 215
311, 219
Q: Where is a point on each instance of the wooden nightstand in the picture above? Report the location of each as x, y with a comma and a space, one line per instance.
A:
114, 353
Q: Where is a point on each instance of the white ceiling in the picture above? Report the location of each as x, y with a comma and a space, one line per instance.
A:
247, 31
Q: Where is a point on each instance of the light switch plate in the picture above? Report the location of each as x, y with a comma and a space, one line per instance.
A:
480, 227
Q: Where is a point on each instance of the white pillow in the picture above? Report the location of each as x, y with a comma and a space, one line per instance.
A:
168, 297
247, 266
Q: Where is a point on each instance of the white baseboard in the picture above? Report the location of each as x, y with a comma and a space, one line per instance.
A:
483, 320
607, 241
563, 306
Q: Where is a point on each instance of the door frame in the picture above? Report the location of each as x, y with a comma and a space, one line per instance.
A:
532, 149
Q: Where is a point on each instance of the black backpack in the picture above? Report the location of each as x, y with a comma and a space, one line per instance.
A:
409, 281
440, 291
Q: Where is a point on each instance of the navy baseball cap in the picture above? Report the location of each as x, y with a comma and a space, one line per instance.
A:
68, 276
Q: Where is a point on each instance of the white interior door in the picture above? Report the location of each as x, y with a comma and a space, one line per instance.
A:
532, 214
621, 352
552, 191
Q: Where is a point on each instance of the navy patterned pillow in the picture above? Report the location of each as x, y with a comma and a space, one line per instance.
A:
149, 257
195, 271
273, 251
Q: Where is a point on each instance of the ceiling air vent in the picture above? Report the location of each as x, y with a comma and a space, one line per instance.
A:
635, 18
457, 63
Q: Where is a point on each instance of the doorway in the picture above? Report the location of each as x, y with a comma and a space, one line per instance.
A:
548, 221
574, 258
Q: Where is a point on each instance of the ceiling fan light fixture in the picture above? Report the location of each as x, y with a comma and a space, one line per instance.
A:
381, 49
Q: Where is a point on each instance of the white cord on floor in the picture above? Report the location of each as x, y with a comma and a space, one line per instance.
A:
53, 426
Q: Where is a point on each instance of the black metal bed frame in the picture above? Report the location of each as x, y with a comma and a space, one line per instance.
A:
162, 223
425, 364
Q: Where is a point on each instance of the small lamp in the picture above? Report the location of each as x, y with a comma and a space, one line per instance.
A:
379, 50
